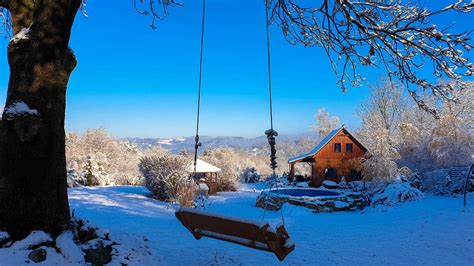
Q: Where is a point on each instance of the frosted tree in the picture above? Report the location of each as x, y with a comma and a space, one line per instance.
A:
396, 35
97, 149
382, 110
452, 141
228, 161
324, 123
416, 128
381, 165
381, 116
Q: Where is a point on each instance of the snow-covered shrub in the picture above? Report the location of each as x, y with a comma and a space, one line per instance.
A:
416, 181
166, 177
396, 192
449, 187
75, 179
250, 175
227, 160
103, 159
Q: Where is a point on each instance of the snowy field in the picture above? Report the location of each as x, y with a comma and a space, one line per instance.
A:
432, 231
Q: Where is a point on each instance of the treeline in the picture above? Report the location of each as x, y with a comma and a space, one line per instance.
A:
97, 158
402, 136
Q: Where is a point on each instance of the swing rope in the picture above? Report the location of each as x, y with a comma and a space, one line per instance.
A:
251, 234
271, 133
197, 144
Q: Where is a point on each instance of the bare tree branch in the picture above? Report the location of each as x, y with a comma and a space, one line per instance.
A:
396, 35
158, 9
5, 20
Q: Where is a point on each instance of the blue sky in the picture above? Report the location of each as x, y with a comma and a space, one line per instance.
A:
134, 81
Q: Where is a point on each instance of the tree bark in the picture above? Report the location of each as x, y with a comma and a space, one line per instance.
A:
32, 144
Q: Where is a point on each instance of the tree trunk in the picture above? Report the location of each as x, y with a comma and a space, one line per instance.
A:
32, 141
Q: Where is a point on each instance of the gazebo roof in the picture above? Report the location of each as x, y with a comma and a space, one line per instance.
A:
202, 167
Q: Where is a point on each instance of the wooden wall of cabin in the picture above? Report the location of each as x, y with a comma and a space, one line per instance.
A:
342, 161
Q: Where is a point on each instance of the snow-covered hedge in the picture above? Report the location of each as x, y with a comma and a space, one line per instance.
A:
166, 177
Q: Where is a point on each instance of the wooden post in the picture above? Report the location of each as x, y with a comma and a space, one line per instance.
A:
292, 170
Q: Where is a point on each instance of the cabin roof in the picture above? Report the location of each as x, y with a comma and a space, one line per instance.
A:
323, 143
202, 167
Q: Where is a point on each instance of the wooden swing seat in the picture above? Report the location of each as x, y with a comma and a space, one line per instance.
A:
257, 235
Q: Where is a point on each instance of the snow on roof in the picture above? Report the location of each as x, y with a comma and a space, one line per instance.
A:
319, 146
202, 167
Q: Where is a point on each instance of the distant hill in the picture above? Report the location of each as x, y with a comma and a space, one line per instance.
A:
176, 145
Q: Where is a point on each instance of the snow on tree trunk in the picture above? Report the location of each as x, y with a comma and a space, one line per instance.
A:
32, 161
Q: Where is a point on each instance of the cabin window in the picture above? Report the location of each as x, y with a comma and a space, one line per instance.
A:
330, 172
337, 147
348, 147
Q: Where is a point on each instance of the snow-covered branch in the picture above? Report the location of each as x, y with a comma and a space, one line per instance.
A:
5, 20
395, 35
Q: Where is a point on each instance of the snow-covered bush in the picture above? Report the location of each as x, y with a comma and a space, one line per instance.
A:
75, 179
447, 187
395, 192
227, 160
166, 177
416, 181
102, 159
250, 175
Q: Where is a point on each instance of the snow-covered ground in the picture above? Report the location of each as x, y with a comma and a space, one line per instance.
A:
432, 231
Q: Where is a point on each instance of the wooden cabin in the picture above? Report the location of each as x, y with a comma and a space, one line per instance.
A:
205, 171
337, 155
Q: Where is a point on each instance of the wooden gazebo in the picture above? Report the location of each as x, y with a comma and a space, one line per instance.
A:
205, 171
